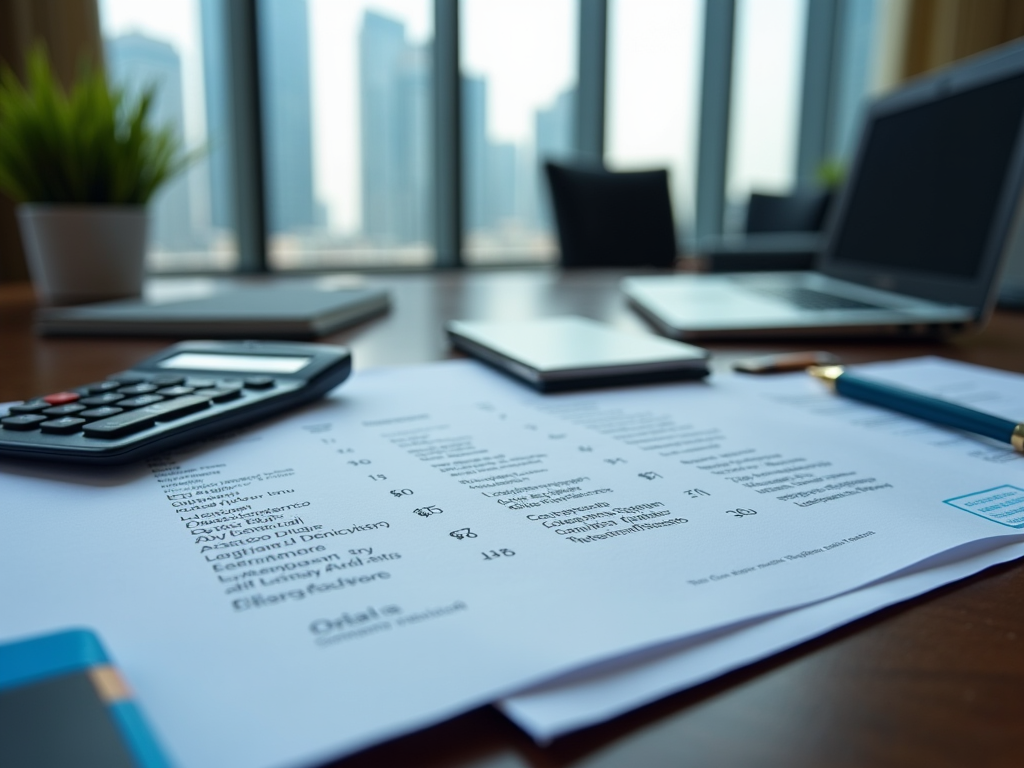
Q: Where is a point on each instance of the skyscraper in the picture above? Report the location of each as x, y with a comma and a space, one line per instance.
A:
136, 62
552, 138
501, 183
394, 123
475, 153
216, 93
287, 114
415, 121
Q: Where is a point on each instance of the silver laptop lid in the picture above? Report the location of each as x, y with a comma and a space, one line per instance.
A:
934, 188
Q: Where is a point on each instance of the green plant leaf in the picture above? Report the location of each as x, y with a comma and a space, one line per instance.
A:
93, 144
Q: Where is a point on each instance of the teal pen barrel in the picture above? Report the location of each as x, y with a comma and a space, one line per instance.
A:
924, 407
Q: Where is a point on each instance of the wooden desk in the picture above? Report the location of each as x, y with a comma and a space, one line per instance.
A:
935, 681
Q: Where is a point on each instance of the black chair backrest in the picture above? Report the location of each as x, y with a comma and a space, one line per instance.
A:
608, 219
802, 211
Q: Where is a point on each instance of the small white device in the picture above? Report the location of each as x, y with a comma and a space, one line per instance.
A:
558, 353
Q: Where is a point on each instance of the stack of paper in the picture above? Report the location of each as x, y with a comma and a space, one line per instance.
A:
430, 539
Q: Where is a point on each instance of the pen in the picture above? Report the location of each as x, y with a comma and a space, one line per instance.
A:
921, 406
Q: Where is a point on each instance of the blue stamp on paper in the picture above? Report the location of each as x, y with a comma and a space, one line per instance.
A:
1003, 504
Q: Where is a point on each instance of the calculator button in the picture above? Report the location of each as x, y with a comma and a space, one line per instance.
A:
122, 424
138, 389
181, 406
133, 421
23, 422
139, 402
221, 394
64, 410
62, 426
105, 399
167, 379
60, 398
127, 377
175, 391
99, 413
102, 386
258, 382
201, 383
33, 406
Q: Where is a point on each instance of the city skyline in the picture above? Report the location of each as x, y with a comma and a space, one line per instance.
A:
502, 181
644, 128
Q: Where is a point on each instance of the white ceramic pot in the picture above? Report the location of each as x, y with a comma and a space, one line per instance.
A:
81, 253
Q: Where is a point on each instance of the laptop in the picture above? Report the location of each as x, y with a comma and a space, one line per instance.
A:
915, 242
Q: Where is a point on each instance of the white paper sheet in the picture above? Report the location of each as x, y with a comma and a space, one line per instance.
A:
429, 539
589, 696
596, 694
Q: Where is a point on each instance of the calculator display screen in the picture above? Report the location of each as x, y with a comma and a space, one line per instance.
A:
203, 361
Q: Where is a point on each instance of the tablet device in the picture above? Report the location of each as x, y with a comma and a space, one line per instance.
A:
559, 353
251, 312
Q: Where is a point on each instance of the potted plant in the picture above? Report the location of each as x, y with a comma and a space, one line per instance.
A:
82, 164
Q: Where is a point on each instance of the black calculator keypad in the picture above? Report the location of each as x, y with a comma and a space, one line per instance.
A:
111, 408
153, 408
62, 426
132, 421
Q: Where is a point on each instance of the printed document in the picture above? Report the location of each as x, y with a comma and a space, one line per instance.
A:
589, 696
433, 538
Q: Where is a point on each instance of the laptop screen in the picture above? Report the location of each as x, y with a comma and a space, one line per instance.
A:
927, 192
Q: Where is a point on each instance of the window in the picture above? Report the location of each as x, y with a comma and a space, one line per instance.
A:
346, 101
764, 120
175, 46
518, 97
654, 68
349, 103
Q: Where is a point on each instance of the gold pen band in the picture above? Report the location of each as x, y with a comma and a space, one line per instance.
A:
827, 373
1017, 438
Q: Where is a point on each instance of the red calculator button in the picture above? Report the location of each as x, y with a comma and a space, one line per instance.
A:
61, 398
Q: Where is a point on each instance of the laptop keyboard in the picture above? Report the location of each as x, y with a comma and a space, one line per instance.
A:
806, 298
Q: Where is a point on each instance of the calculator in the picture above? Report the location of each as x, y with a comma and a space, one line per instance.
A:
189, 391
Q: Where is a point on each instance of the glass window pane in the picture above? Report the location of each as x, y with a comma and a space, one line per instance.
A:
178, 46
655, 49
346, 97
518, 90
764, 120
868, 56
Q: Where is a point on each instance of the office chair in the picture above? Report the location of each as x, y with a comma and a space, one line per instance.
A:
607, 219
802, 211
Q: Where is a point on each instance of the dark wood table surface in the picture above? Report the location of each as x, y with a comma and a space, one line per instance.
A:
934, 681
